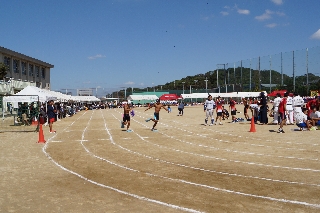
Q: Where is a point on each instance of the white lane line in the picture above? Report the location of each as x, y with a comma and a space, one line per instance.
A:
213, 171
243, 152
206, 186
234, 161
109, 187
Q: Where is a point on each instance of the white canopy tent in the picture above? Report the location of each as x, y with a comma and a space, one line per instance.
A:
30, 94
142, 97
60, 96
85, 98
223, 95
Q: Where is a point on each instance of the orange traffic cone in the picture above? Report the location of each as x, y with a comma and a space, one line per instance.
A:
41, 136
253, 127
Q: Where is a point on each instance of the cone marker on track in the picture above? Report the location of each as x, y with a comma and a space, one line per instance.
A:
41, 136
253, 127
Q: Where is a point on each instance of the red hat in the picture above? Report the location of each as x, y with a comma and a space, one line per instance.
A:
291, 94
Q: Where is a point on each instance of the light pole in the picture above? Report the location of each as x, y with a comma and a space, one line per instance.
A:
206, 84
225, 77
183, 87
125, 92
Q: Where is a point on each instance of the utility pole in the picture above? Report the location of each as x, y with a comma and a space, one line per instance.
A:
183, 87
206, 84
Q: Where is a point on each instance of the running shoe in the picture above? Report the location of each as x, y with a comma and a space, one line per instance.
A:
148, 120
122, 125
129, 130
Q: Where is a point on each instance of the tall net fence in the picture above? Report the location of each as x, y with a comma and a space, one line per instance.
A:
297, 70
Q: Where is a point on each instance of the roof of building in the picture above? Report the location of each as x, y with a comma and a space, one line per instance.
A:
24, 57
268, 85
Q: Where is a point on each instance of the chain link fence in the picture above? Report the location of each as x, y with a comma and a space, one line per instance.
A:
297, 71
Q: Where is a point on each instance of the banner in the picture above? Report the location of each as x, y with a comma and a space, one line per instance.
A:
314, 93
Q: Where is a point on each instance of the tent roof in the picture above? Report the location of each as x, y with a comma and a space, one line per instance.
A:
29, 94
223, 95
169, 97
274, 93
142, 97
85, 98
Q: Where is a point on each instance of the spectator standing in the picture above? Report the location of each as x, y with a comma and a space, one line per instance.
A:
51, 113
181, 108
282, 112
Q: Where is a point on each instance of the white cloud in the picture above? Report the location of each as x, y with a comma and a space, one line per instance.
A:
280, 13
129, 83
268, 15
265, 16
224, 13
96, 56
277, 2
316, 35
244, 12
272, 25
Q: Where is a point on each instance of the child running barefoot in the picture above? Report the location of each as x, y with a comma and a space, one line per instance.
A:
157, 107
126, 117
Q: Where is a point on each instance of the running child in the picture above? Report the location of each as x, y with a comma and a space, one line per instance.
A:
157, 107
126, 117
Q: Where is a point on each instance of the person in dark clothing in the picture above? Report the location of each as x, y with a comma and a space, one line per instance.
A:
51, 113
180, 108
263, 109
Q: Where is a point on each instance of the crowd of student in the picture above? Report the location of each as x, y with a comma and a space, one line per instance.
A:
291, 108
288, 110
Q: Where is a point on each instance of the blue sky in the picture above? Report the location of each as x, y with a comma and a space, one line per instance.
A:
112, 44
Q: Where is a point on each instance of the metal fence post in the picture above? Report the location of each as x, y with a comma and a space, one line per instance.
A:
307, 67
294, 79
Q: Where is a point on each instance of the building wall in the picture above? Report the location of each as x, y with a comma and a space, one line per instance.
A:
25, 69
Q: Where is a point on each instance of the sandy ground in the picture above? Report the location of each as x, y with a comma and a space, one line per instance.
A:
92, 165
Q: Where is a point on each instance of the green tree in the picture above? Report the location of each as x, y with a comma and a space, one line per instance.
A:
3, 70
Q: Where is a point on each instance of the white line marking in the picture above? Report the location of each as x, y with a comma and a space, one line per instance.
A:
109, 187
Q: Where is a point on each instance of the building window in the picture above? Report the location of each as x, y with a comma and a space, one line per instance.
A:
43, 72
37, 71
15, 65
30, 69
24, 68
7, 61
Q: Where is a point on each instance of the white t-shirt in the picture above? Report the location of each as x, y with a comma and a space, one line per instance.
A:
289, 103
297, 102
277, 101
209, 104
301, 117
315, 114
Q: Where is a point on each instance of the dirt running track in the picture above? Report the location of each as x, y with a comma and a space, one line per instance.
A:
92, 165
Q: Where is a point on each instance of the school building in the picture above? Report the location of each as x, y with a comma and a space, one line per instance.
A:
23, 71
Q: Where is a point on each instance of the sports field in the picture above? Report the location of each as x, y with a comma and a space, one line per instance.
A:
92, 165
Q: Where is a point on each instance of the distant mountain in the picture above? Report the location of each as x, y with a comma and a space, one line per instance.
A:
237, 79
